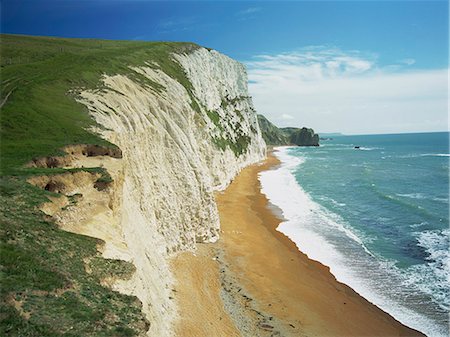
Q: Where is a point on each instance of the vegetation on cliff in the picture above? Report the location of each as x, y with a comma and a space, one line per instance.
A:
270, 133
302, 137
286, 136
52, 280
40, 78
46, 287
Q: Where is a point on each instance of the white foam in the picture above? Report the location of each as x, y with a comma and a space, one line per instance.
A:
437, 271
444, 200
297, 205
421, 196
412, 195
435, 155
419, 224
304, 221
424, 155
369, 148
334, 202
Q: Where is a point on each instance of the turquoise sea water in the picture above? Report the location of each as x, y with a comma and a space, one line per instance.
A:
378, 216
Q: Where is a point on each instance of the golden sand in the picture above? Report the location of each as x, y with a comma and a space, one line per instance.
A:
257, 282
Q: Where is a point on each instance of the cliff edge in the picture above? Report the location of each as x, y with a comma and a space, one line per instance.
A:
124, 144
179, 145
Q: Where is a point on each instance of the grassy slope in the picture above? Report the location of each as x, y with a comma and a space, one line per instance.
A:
39, 115
42, 268
272, 135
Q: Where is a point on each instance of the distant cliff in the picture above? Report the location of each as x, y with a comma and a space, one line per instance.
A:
302, 137
287, 136
272, 135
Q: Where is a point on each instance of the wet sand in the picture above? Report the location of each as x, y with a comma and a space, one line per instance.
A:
255, 282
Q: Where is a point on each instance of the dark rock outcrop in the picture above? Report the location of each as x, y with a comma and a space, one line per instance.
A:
304, 137
286, 136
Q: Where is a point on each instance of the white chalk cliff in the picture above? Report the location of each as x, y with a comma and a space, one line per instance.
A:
179, 145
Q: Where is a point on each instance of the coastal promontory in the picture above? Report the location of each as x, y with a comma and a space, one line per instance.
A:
287, 136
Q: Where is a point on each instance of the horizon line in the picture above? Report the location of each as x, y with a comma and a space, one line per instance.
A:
388, 133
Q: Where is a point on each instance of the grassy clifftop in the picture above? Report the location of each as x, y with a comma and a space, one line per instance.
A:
38, 114
46, 288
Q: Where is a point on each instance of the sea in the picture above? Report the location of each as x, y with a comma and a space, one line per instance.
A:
377, 215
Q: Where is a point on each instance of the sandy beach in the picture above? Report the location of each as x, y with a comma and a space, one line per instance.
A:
255, 282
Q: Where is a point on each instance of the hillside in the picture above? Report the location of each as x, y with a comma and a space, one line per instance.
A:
301, 136
110, 154
286, 136
272, 135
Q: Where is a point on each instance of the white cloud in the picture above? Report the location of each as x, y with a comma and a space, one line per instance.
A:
286, 116
247, 14
331, 90
248, 11
408, 61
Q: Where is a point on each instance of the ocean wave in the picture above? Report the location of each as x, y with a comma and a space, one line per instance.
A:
412, 195
419, 224
435, 155
315, 231
340, 147
421, 196
403, 202
363, 148
436, 242
334, 202
433, 278
444, 200
333, 145
297, 202
418, 155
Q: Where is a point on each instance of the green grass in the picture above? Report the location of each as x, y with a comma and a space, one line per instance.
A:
108, 268
215, 118
39, 116
43, 267
239, 145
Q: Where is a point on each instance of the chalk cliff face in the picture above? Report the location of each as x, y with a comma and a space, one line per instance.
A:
180, 143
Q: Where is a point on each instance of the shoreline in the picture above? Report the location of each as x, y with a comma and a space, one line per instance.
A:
324, 234
261, 284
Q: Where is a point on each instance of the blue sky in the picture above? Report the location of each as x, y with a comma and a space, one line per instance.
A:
332, 62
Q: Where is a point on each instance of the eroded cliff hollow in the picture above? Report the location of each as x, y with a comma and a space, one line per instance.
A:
179, 143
